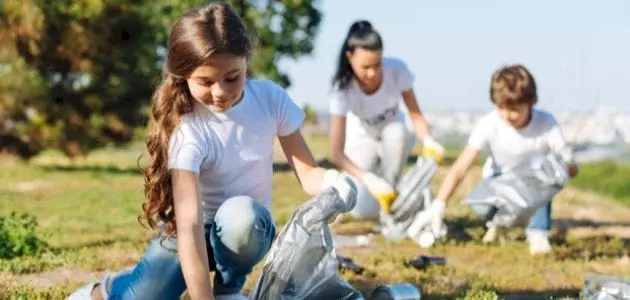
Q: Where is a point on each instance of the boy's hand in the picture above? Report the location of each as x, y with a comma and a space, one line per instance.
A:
431, 148
380, 189
433, 216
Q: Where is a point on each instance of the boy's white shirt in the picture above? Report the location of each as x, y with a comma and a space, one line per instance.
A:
508, 146
232, 151
367, 115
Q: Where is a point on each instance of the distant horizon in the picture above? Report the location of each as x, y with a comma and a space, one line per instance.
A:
324, 110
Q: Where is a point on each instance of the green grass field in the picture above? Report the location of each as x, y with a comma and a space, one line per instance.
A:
86, 213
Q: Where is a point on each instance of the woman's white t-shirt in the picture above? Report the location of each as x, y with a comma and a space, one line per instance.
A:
232, 151
366, 115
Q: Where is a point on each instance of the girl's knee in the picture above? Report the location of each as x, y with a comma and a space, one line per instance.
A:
243, 207
243, 226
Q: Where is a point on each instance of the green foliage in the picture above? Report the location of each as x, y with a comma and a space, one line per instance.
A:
311, 114
17, 236
78, 75
609, 178
482, 295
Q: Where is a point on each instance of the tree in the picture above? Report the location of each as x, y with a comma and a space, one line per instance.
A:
76, 75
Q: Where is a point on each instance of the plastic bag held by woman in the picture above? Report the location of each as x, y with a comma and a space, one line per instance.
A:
302, 262
414, 195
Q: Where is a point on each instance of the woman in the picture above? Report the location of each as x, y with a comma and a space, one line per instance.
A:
367, 121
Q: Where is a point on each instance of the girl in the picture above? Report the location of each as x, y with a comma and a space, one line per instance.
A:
208, 185
367, 121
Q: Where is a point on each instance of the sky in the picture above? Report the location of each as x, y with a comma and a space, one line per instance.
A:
578, 50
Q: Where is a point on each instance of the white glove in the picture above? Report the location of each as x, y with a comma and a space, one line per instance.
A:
346, 188
431, 148
431, 217
380, 189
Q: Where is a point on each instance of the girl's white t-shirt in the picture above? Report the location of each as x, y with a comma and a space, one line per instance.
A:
232, 151
508, 146
366, 115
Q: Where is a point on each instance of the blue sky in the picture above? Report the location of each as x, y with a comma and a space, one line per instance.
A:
578, 51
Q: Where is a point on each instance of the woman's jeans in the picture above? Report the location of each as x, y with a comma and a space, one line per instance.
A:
239, 237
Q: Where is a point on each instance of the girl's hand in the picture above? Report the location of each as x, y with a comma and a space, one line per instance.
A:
345, 187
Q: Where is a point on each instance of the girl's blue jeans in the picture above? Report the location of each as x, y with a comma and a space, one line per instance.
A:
239, 237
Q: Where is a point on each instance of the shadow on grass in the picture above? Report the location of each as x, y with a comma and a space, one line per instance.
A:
277, 167
572, 223
112, 170
459, 228
325, 163
551, 294
589, 248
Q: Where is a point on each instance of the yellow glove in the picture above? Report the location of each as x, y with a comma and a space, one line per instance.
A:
432, 149
380, 189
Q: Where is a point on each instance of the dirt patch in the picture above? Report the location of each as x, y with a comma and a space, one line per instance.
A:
584, 214
27, 186
54, 277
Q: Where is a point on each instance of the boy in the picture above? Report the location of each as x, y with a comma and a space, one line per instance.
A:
511, 133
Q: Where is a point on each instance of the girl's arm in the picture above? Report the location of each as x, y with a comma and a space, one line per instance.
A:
191, 243
302, 162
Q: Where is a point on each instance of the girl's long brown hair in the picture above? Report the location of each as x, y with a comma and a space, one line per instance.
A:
200, 33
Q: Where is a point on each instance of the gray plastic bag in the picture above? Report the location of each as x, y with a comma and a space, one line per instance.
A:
518, 194
414, 195
302, 262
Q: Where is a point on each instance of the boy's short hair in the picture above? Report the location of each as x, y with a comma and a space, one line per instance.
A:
513, 84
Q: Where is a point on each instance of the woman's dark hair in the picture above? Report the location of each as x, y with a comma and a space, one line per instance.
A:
360, 35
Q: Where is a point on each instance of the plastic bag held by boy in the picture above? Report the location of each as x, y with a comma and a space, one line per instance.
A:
302, 262
518, 194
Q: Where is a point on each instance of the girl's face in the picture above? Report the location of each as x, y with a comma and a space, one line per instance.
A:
367, 66
219, 84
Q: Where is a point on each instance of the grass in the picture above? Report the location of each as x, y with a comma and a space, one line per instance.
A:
607, 178
86, 212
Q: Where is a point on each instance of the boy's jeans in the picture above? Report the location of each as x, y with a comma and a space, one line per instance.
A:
239, 237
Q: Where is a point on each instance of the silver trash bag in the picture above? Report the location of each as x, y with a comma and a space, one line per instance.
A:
414, 195
302, 262
600, 287
516, 195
